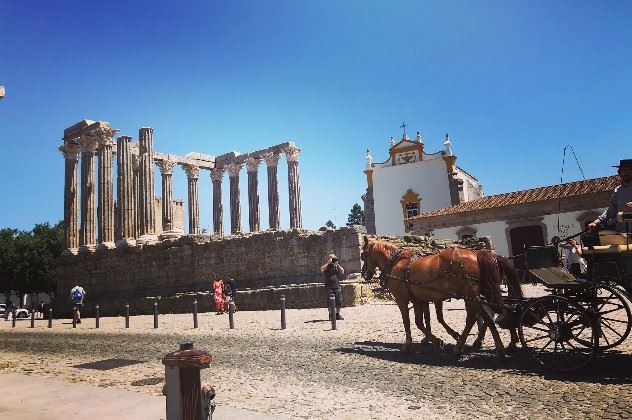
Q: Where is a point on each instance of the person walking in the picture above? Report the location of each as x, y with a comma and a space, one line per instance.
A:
77, 295
218, 295
333, 272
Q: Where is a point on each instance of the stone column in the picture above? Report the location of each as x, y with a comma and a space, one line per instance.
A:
105, 210
147, 214
166, 170
253, 193
87, 239
71, 229
218, 210
294, 186
235, 205
135, 189
193, 173
272, 159
126, 196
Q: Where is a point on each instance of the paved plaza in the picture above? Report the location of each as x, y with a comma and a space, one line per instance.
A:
309, 371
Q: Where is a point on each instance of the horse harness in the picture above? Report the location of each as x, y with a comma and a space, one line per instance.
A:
456, 263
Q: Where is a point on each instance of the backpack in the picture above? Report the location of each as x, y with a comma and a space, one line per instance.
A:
77, 295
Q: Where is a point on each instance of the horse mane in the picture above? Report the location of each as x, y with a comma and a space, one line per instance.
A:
385, 247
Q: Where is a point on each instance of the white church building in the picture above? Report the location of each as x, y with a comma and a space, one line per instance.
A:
410, 182
412, 191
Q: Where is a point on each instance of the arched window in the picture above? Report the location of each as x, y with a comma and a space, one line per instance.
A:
411, 204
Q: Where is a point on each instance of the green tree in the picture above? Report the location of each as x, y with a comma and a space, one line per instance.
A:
330, 224
356, 216
27, 259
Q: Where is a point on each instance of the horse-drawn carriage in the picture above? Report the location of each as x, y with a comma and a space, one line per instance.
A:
564, 329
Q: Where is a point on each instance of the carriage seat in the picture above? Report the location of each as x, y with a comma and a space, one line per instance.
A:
611, 237
607, 249
543, 264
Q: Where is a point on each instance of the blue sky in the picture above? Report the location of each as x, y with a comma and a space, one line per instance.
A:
512, 82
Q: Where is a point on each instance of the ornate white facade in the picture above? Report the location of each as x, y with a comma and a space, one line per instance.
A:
410, 182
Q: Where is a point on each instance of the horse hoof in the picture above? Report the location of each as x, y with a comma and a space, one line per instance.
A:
511, 349
476, 345
425, 341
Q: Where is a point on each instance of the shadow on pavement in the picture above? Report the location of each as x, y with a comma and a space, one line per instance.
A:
611, 367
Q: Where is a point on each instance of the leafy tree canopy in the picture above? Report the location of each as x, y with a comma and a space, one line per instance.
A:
356, 216
27, 258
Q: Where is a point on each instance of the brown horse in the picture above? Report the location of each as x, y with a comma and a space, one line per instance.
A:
452, 273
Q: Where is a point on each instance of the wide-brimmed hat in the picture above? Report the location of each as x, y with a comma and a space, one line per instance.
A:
624, 163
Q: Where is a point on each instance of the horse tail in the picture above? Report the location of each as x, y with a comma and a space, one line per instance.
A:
513, 279
490, 277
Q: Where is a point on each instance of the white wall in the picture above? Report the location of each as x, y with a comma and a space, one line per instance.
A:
428, 178
569, 225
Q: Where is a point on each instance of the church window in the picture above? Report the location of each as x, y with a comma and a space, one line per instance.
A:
411, 206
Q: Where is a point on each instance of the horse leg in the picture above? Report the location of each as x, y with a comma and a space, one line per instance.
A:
403, 308
470, 319
422, 310
500, 349
482, 329
514, 340
439, 311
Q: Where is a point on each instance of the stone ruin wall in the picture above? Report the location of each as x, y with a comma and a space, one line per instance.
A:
184, 267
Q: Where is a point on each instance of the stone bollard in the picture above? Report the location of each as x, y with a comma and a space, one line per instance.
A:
127, 315
332, 310
13, 317
32, 318
74, 317
231, 311
155, 314
50, 317
283, 312
195, 320
97, 315
182, 382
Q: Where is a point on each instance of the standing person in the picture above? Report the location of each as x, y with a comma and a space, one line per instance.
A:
77, 294
333, 273
218, 295
572, 257
231, 292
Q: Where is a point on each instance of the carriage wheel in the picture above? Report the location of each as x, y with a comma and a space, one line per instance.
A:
558, 333
613, 310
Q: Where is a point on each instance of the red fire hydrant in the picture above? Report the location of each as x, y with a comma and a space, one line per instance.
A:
182, 382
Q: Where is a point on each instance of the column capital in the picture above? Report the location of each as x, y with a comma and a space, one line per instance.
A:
192, 171
292, 153
217, 173
253, 164
166, 166
70, 151
87, 143
105, 135
234, 169
271, 158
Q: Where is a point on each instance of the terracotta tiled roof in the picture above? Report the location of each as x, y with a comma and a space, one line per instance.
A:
529, 196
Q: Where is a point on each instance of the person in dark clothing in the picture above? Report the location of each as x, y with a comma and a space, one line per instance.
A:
231, 291
333, 273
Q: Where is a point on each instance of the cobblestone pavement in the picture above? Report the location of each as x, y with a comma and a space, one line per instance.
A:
310, 371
